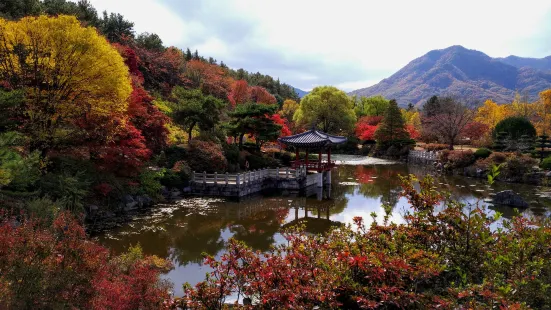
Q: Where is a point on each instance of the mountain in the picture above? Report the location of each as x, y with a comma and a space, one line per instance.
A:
468, 74
301, 93
534, 63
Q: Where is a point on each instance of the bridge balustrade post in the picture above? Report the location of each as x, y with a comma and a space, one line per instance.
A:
193, 176
204, 177
237, 180
226, 178
287, 173
215, 178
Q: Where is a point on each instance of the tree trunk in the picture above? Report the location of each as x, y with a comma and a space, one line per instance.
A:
241, 141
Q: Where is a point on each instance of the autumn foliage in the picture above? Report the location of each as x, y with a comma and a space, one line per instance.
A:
451, 259
44, 267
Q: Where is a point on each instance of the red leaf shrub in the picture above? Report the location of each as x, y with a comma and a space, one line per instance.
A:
450, 259
57, 267
475, 130
206, 156
366, 127
285, 131
413, 133
460, 159
210, 78
432, 147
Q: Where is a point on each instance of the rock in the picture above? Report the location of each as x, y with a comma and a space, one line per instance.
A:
174, 194
144, 201
510, 198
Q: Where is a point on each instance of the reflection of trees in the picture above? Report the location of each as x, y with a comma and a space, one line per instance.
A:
386, 185
258, 230
201, 235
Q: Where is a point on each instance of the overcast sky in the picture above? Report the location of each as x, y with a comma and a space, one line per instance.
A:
345, 43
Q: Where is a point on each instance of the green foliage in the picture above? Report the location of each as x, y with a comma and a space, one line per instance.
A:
116, 28
17, 171
370, 106
68, 189
327, 108
392, 129
178, 176
515, 127
431, 107
193, 108
44, 209
260, 162
150, 41
9, 101
175, 153
482, 153
150, 182
494, 173
231, 152
253, 119
546, 163
349, 147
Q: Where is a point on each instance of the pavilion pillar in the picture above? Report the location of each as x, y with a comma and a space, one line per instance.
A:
320, 179
306, 159
319, 161
329, 155
297, 158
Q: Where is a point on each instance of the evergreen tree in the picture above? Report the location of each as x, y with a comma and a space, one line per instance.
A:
392, 128
188, 55
431, 107
253, 119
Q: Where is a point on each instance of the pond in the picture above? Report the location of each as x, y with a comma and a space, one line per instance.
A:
183, 230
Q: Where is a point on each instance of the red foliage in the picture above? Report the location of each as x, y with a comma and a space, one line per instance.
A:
161, 70
366, 127
475, 130
103, 189
413, 133
126, 153
50, 267
239, 93
210, 78
131, 61
206, 156
148, 119
261, 95
285, 131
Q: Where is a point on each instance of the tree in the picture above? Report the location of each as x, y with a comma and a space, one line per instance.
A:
514, 128
147, 118
491, 113
367, 126
287, 111
328, 108
261, 95
450, 120
431, 107
475, 130
115, 28
371, 106
68, 73
254, 119
392, 128
239, 93
194, 108
211, 79
15, 9
150, 41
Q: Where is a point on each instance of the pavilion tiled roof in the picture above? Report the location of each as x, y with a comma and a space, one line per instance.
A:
312, 139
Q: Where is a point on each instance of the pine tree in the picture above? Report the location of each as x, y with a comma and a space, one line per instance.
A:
393, 128
188, 55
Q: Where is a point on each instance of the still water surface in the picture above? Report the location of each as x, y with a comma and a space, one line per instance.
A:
183, 230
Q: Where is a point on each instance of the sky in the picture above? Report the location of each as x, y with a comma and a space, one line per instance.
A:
350, 44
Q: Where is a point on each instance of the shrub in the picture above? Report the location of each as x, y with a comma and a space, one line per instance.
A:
206, 156
460, 159
349, 147
286, 158
260, 162
433, 147
517, 165
515, 127
174, 154
178, 176
462, 261
56, 267
231, 151
482, 153
150, 182
546, 163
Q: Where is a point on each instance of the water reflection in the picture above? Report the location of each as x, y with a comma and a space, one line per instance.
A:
188, 228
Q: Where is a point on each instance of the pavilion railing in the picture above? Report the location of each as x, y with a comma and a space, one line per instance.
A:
249, 177
314, 164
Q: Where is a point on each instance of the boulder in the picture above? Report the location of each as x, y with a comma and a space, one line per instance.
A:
510, 198
144, 201
129, 203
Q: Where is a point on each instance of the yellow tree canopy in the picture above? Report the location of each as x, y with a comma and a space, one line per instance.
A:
63, 66
491, 113
412, 118
288, 109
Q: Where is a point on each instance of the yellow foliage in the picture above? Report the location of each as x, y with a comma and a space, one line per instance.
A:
491, 113
176, 135
288, 109
413, 118
67, 70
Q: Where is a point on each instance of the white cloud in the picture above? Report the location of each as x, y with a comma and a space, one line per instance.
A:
344, 43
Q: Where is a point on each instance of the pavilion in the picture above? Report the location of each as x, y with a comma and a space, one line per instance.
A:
311, 141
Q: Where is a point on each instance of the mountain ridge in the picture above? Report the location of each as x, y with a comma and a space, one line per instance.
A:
465, 73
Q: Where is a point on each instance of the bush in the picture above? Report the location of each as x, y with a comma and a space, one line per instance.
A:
350, 147
260, 162
433, 147
174, 154
366, 149
56, 267
546, 163
231, 152
514, 128
206, 156
482, 153
150, 182
517, 165
456, 253
286, 158
460, 159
